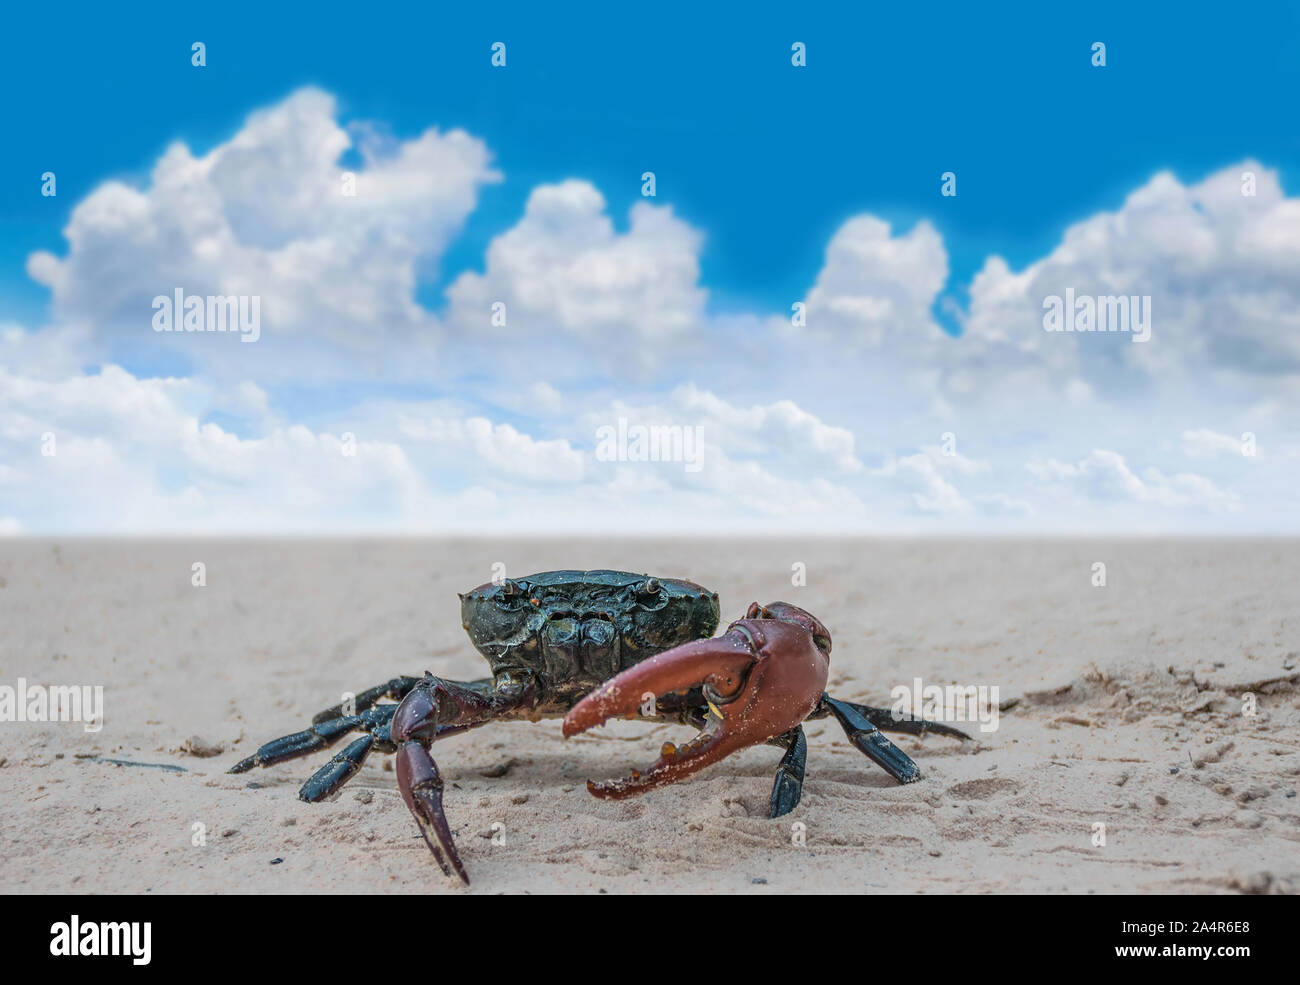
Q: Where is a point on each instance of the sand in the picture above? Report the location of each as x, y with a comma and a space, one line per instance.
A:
1122, 707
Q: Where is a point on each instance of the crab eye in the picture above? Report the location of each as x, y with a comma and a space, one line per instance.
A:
511, 596
650, 586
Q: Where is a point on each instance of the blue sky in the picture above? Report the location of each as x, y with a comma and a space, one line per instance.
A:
766, 161
773, 185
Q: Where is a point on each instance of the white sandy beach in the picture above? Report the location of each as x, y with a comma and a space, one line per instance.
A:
1122, 707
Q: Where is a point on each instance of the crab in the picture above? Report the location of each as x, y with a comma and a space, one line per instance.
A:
588, 646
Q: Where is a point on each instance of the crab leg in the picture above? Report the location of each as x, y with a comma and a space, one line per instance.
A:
321, 735
396, 689
761, 679
433, 709
788, 788
885, 720
421, 786
338, 771
330, 725
870, 741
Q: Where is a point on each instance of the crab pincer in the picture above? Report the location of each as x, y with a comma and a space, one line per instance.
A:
760, 679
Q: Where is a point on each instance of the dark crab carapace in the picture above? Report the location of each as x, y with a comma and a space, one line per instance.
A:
592, 645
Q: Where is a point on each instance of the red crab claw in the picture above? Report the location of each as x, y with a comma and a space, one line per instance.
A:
761, 678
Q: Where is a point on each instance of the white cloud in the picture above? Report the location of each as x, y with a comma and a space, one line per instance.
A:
1219, 267
1204, 443
462, 424
264, 215
781, 429
781, 435
1104, 475
876, 287
130, 455
930, 492
927, 479
500, 448
545, 397
1000, 504
564, 269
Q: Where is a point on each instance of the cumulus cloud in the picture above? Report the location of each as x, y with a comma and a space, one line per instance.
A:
927, 478
137, 455
266, 214
499, 448
930, 492
564, 269
1104, 475
360, 408
109, 451
780, 429
1219, 267
781, 434
876, 287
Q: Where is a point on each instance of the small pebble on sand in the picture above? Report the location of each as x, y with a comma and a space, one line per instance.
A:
197, 746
